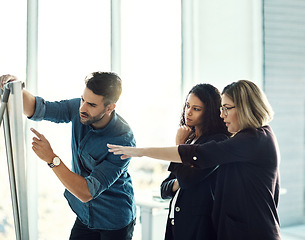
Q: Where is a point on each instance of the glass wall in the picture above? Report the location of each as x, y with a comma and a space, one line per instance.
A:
73, 41
77, 42
151, 73
13, 61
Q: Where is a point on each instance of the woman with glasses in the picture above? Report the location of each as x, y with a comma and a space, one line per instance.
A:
247, 187
190, 189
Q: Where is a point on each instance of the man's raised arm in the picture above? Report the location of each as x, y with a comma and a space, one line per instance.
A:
29, 100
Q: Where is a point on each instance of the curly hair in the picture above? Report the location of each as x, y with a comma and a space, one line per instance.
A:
211, 122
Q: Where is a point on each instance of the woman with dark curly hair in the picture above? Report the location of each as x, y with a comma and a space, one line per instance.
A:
190, 189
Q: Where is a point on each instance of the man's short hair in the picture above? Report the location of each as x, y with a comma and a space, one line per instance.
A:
106, 84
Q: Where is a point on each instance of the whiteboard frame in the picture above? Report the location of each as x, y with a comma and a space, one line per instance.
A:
14, 141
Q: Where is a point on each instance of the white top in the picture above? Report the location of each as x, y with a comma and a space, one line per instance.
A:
172, 213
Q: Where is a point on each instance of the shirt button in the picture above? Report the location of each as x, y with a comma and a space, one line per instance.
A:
173, 222
177, 209
195, 158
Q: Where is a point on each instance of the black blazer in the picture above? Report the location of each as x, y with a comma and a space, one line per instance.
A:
247, 187
195, 201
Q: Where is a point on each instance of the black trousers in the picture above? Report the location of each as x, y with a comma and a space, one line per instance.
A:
81, 231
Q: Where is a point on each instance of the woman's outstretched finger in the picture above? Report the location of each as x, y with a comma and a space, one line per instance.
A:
117, 152
114, 148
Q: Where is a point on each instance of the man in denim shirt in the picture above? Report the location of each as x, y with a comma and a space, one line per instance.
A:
99, 188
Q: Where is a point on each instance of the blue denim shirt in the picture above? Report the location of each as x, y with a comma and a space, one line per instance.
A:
113, 205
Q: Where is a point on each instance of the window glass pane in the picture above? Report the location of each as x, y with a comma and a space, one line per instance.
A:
74, 40
13, 38
12, 61
151, 74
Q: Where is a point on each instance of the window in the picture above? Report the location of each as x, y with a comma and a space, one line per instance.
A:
74, 40
13, 61
151, 73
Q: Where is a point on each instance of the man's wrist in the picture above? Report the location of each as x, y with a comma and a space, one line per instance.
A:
50, 158
55, 162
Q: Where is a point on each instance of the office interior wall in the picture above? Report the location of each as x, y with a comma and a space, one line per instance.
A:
284, 74
224, 43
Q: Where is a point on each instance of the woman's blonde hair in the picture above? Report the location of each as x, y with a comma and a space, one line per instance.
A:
253, 108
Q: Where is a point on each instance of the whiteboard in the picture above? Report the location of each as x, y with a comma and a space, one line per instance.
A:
14, 141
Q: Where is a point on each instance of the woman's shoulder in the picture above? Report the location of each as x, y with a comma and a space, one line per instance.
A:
253, 136
212, 137
255, 132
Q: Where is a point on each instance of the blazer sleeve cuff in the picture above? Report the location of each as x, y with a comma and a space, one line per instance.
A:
188, 154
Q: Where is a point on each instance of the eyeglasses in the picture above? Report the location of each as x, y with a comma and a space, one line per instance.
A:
225, 110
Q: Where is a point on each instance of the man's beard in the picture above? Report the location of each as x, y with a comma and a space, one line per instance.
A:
91, 120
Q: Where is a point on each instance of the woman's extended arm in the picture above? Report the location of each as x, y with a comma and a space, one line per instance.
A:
165, 153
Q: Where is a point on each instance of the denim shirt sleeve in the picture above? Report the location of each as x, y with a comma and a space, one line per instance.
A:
58, 111
40, 109
111, 171
105, 175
